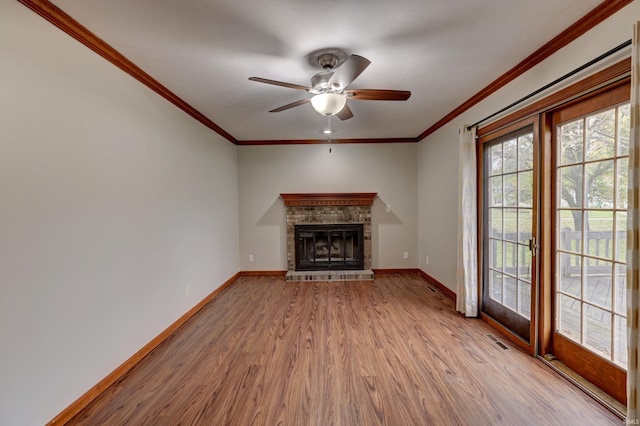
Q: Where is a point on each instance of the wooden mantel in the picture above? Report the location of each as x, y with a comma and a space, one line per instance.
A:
330, 199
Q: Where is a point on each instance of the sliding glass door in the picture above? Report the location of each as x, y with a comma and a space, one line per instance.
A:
552, 228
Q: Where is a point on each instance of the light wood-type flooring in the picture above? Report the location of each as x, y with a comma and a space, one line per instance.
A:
385, 352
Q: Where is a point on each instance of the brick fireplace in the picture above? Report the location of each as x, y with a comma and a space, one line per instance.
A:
323, 210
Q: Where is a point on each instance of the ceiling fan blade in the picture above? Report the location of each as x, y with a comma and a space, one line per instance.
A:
280, 83
378, 95
350, 69
291, 105
345, 113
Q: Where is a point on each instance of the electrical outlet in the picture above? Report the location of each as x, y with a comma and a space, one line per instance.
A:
406, 254
188, 289
426, 259
250, 258
388, 208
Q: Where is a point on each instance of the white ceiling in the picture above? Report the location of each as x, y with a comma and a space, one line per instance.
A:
443, 51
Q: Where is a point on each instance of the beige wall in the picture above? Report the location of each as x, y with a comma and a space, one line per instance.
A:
438, 153
113, 201
266, 171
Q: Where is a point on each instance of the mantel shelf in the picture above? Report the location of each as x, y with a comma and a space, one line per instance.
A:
330, 199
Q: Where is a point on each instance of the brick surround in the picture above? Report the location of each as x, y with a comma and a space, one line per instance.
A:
303, 209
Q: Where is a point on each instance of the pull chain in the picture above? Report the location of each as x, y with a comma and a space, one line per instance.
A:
329, 134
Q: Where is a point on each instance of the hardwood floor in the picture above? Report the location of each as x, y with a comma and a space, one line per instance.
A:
391, 351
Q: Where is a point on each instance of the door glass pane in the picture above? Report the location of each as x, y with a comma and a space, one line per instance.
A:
624, 129
525, 152
510, 292
599, 236
600, 135
570, 230
525, 189
495, 254
570, 187
525, 225
570, 274
524, 263
495, 160
569, 317
495, 185
510, 152
620, 289
599, 185
524, 298
571, 142
495, 283
620, 340
495, 219
622, 174
510, 257
598, 282
510, 224
621, 236
598, 330
510, 190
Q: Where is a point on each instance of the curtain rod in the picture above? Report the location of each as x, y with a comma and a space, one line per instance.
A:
554, 82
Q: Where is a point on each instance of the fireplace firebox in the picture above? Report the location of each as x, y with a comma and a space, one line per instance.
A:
329, 247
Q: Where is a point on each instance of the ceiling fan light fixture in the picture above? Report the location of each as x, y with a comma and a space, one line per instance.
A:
329, 104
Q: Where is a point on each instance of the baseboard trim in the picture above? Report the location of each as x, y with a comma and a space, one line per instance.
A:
443, 288
261, 273
79, 404
396, 271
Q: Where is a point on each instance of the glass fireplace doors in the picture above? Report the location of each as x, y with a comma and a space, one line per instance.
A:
329, 247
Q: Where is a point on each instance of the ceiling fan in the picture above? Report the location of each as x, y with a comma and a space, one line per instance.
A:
329, 87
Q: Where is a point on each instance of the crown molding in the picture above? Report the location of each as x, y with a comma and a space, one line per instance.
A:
324, 141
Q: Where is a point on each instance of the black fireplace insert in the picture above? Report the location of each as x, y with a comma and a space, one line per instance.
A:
329, 247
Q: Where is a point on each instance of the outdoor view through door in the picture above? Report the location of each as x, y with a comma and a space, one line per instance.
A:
509, 238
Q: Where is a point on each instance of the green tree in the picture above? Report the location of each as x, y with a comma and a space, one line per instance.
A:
590, 139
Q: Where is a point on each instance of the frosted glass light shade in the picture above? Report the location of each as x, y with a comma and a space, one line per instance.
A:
329, 103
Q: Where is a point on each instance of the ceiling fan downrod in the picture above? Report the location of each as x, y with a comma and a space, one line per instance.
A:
328, 61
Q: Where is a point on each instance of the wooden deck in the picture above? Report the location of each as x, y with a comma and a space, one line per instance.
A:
390, 351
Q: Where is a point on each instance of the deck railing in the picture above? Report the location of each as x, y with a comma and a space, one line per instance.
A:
599, 246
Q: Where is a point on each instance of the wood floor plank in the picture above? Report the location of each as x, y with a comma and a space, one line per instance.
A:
387, 352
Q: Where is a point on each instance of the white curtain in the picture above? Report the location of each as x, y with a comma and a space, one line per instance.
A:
633, 237
467, 287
